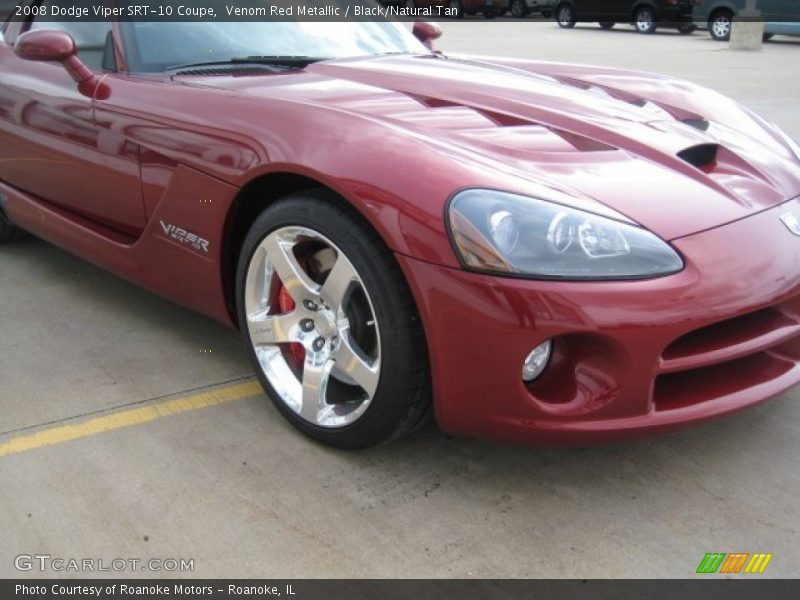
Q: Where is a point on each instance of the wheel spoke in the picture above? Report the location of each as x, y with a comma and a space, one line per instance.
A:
351, 361
284, 265
339, 282
294, 278
256, 295
273, 329
316, 373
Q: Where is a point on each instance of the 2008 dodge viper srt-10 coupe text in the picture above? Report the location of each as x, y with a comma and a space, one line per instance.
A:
530, 251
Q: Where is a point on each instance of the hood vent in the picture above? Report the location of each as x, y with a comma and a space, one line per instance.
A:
231, 70
432, 102
700, 124
702, 156
505, 120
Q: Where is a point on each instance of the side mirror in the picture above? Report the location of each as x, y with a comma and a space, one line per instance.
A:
45, 45
426, 32
52, 45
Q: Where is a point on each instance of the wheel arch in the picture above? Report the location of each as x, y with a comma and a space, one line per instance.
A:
258, 194
721, 8
559, 3
643, 4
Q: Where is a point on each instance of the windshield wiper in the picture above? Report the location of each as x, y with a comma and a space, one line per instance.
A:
279, 61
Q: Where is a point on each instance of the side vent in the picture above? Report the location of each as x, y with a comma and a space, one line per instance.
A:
702, 156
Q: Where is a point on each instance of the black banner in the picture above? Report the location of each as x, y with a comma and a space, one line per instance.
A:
232, 10
303, 589
277, 10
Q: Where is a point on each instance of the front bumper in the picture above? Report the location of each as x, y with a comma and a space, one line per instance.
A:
631, 358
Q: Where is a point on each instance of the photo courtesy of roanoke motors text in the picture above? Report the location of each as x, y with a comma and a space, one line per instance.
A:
399, 299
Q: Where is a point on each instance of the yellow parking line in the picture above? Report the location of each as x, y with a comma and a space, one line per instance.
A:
128, 418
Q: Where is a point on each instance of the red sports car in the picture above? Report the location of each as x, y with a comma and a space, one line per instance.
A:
533, 252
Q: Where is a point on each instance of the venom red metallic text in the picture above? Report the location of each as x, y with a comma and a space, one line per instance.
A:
545, 252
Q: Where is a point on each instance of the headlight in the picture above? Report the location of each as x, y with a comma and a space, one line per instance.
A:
517, 235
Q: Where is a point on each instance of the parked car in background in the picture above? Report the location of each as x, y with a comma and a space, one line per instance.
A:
782, 16
782, 28
645, 15
522, 8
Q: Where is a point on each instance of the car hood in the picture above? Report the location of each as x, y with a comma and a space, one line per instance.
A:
669, 155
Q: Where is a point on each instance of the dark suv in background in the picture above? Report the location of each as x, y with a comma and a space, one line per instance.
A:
645, 15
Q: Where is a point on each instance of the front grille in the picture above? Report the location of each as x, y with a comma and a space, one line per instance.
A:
729, 357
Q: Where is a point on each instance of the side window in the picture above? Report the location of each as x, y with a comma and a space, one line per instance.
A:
91, 39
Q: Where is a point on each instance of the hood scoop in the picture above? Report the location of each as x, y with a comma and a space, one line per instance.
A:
721, 162
702, 156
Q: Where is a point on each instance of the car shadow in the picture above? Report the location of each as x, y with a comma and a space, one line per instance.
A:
71, 271
626, 29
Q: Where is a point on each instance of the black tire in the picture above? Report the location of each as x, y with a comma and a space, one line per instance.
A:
518, 8
606, 24
644, 21
719, 25
687, 28
402, 398
767, 37
8, 232
489, 14
457, 7
565, 16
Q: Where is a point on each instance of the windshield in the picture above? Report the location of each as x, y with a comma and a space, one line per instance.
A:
155, 46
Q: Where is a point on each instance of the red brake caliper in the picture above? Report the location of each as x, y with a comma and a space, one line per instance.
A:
297, 354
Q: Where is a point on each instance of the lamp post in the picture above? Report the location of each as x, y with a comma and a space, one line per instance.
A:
747, 29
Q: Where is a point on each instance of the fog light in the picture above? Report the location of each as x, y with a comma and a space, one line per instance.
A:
537, 360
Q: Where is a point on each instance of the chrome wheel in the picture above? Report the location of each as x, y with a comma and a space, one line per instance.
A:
721, 27
565, 17
645, 21
312, 326
8, 232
